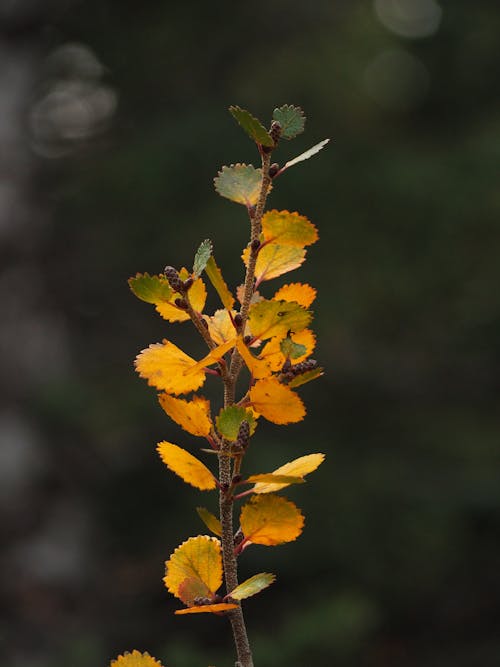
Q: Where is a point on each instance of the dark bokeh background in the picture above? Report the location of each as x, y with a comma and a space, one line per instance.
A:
113, 122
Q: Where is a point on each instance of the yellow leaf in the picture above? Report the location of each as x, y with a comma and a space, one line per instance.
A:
197, 294
197, 558
269, 318
273, 356
216, 278
220, 327
164, 366
213, 356
208, 608
273, 260
256, 366
193, 416
276, 402
299, 292
210, 520
274, 480
288, 229
135, 659
187, 466
271, 520
299, 467
252, 586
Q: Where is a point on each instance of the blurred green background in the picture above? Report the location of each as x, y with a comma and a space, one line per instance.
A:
114, 122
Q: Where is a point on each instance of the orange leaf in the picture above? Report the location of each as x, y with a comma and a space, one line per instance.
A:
288, 228
299, 292
135, 659
198, 558
193, 416
197, 294
257, 367
208, 608
164, 366
187, 466
299, 467
271, 520
276, 402
273, 260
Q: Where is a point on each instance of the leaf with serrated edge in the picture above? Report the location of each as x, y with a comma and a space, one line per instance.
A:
210, 520
274, 260
213, 356
215, 276
291, 119
207, 608
306, 155
220, 326
300, 467
229, 420
187, 466
252, 126
303, 378
287, 228
199, 557
201, 258
135, 659
164, 365
291, 350
269, 318
274, 480
240, 183
197, 295
271, 520
193, 416
272, 355
301, 293
276, 402
252, 586
151, 289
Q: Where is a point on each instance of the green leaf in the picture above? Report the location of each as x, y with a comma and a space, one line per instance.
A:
152, 289
201, 258
252, 586
210, 520
229, 419
268, 318
252, 126
292, 350
305, 156
291, 119
303, 378
215, 276
240, 183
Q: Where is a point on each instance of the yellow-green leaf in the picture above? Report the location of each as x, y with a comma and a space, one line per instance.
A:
210, 520
199, 558
240, 183
152, 289
220, 326
276, 402
288, 229
215, 276
187, 466
229, 420
269, 318
164, 366
193, 416
271, 520
135, 659
252, 586
303, 378
300, 467
273, 260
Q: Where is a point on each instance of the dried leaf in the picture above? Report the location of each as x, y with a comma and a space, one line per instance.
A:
276, 402
290, 229
187, 466
164, 366
291, 119
271, 520
300, 467
240, 183
193, 416
229, 420
210, 520
299, 292
135, 659
269, 318
201, 258
252, 586
199, 558
215, 276
151, 289
252, 126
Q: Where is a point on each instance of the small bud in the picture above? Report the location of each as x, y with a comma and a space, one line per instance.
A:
187, 283
247, 340
273, 169
216, 598
255, 245
275, 131
267, 149
237, 479
181, 303
286, 366
243, 434
224, 487
238, 320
